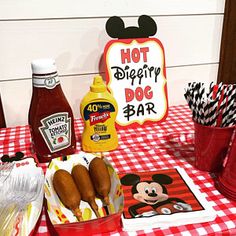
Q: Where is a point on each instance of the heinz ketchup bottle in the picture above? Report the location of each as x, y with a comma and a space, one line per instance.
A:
2, 117
50, 116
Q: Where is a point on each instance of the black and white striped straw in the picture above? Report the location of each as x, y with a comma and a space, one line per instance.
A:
215, 107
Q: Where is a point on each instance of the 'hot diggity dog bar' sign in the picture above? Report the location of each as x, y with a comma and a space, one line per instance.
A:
135, 71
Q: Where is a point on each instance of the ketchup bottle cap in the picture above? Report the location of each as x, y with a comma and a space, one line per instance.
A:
43, 66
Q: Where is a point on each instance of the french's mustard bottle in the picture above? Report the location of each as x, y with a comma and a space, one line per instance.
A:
99, 110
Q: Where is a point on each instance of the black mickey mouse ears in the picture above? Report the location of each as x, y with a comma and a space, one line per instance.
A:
115, 28
18, 156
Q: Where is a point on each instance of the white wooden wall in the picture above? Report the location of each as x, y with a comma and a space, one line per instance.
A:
73, 32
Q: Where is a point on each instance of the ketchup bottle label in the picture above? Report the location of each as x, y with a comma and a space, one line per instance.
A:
56, 131
49, 82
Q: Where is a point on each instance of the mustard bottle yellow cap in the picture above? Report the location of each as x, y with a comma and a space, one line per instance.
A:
98, 85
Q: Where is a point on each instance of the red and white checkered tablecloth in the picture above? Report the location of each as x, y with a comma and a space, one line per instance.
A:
152, 147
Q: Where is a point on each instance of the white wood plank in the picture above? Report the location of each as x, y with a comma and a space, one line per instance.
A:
78, 44
25, 9
178, 78
16, 95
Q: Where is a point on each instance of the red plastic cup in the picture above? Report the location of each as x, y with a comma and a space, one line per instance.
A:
211, 146
227, 179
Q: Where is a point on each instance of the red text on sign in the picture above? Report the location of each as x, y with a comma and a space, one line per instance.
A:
134, 55
139, 93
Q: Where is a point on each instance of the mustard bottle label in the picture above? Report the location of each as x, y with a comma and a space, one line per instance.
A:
97, 114
56, 131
